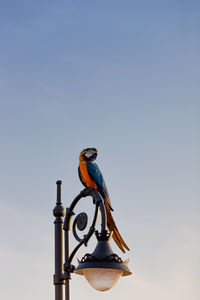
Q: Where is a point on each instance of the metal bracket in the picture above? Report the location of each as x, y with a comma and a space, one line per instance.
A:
58, 279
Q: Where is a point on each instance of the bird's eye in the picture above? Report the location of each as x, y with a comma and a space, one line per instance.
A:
89, 153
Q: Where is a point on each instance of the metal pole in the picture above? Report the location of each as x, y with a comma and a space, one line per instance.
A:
67, 265
68, 277
59, 213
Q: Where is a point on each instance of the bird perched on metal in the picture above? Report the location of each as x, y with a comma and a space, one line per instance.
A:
90, 176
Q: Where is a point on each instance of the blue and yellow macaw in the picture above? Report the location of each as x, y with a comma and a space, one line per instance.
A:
91, 176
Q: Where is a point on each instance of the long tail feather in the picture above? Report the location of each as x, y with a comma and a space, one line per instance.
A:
112, 227
118, 243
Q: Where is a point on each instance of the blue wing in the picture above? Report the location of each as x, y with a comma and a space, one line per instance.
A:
96, 176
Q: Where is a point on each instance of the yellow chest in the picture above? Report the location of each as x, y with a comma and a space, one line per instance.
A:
85, 176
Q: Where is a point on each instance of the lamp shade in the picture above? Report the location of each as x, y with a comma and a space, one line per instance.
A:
102, 268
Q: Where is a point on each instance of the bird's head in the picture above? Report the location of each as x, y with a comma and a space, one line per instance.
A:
88, 154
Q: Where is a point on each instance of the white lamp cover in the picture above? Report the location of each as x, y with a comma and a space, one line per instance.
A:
102, 279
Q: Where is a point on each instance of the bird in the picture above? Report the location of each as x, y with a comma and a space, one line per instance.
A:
91, 176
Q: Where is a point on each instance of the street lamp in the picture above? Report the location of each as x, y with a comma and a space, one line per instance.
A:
102, 268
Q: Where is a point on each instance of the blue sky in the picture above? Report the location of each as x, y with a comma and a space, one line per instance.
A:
122, 76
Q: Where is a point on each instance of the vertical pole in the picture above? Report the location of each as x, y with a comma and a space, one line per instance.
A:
58, 213
67, 266
67, 283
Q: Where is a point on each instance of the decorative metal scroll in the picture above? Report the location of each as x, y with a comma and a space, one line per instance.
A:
113, 258
81, 220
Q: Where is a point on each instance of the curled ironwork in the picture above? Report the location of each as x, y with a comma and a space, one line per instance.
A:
81, 221
113, 258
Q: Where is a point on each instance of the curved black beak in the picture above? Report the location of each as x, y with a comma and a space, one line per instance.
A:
93, 157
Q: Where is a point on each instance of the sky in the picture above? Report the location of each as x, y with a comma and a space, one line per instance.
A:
121, 76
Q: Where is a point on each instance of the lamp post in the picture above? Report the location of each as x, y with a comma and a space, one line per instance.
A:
102, 268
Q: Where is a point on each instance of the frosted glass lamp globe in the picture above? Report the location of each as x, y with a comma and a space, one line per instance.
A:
102, 279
